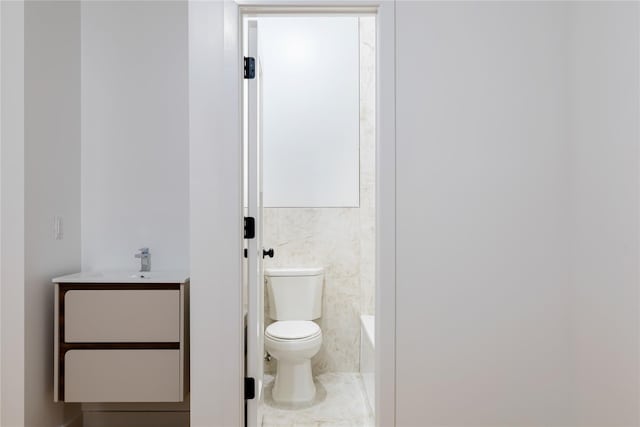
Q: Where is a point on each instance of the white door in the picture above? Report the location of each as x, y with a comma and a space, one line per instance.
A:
255, 280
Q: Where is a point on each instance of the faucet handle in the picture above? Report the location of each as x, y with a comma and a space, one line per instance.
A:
142, 252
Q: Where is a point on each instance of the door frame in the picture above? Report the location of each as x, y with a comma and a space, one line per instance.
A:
215, 110
385, 176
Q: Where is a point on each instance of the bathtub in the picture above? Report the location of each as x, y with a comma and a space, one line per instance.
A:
367, 357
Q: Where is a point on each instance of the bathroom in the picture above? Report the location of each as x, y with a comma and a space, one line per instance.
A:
120, 168
507, 214
316, 222
117, 161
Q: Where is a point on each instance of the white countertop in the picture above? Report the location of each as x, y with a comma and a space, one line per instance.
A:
125, 277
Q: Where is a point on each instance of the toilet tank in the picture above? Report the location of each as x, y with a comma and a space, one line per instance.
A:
294, 293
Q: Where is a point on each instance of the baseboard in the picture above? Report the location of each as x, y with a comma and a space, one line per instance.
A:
76, 421
136, 419
150, 414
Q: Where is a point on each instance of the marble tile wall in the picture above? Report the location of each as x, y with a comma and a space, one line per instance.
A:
342, 240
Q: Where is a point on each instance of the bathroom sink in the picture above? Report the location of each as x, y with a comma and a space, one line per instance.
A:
125, 277
147, 276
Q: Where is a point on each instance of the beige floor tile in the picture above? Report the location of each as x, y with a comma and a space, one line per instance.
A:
339, 402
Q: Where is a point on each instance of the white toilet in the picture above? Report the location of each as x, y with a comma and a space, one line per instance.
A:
295, 299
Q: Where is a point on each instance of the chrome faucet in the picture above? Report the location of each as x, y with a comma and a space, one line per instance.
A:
145, 259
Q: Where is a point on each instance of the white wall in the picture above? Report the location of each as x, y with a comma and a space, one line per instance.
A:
135, 140
52, 188
482, 325
12, 341
604, 74
517, 214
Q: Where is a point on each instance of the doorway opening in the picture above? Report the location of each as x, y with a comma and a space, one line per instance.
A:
309, 137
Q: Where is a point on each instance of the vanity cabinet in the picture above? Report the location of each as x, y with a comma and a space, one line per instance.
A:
121, 342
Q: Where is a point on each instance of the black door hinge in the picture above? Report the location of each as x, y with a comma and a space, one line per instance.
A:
249, 227
249, 388
249, 67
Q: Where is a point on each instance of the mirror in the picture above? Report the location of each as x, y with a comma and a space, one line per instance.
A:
310, 95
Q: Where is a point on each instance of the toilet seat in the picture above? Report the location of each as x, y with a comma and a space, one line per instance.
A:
292, 330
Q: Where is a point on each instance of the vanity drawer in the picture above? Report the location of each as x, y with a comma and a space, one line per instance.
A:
122, 315
123, 376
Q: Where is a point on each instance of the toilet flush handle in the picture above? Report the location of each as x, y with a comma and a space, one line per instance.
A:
268, 253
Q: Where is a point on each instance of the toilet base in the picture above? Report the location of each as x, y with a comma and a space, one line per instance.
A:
294, 382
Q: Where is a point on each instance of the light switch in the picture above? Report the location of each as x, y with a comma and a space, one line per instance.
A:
57, 228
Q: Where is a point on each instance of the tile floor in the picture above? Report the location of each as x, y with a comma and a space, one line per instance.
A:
340, 402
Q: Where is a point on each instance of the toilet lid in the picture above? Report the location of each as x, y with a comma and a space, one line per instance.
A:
292, 329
